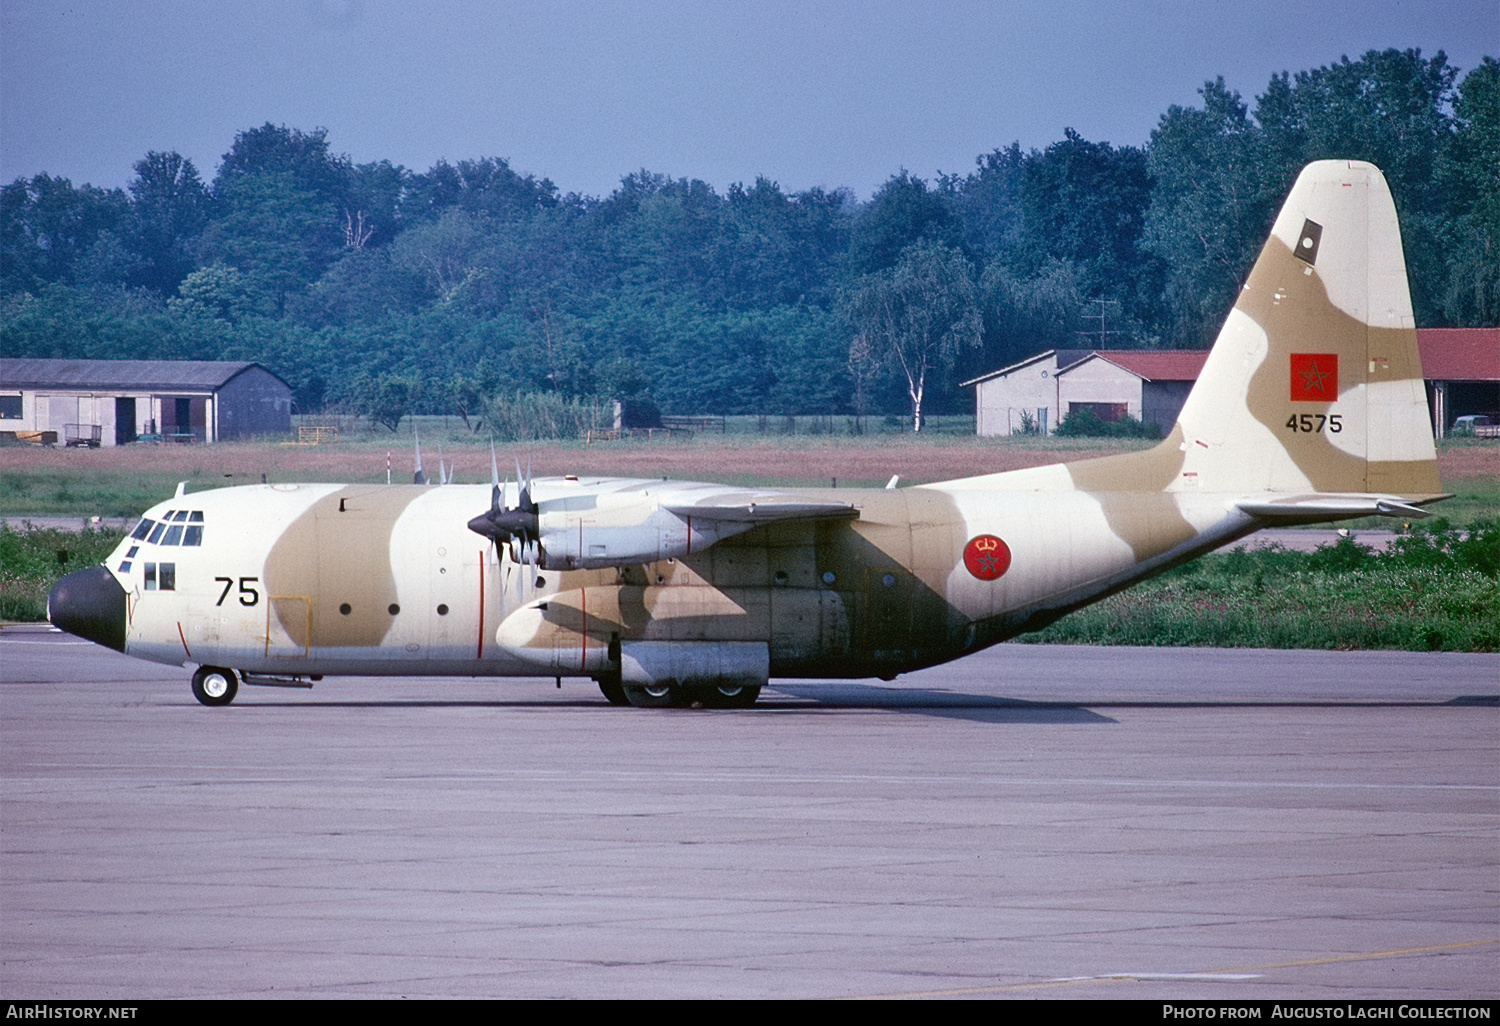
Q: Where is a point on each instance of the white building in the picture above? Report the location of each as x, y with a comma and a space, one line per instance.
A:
1038, 392
112, 402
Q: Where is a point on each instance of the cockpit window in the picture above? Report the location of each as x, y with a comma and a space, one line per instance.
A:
176, 527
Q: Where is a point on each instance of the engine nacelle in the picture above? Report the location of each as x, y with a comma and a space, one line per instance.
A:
571, 541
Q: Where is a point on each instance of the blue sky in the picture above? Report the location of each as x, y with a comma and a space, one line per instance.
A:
808, 94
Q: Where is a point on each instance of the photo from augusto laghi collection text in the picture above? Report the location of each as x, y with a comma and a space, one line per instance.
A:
1325, 1010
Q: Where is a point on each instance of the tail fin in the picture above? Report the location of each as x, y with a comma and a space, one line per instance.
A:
1315, 383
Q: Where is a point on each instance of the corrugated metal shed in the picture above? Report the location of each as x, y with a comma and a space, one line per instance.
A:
123, 375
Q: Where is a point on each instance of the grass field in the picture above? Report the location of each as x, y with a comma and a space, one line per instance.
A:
118, 482
1348, 598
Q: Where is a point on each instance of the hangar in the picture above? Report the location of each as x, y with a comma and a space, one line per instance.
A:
1461, 367
114, 402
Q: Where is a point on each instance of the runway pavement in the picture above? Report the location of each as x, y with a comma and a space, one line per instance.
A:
1030, 822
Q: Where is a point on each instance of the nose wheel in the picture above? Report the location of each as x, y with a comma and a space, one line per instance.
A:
214, 685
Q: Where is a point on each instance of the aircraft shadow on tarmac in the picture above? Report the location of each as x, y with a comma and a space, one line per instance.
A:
820, 697
791, 698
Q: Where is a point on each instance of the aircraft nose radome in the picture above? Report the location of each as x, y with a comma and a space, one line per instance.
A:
90, 604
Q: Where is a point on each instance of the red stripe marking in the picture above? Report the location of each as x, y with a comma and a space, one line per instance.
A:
483, 561
184, 639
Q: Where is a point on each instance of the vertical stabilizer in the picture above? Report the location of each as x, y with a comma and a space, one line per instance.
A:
1315, 383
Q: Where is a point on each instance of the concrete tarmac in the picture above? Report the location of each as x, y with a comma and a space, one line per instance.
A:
1037, 822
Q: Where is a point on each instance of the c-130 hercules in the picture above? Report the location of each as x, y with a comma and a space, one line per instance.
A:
1310, 408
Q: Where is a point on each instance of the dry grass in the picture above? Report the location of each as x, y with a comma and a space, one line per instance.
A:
799, 460
122, 481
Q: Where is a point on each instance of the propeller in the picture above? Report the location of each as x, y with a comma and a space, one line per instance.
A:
517, 526
417, 476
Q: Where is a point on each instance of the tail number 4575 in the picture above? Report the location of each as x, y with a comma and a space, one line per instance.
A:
1311, 423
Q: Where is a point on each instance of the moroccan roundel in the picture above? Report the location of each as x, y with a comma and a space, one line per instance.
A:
987, 557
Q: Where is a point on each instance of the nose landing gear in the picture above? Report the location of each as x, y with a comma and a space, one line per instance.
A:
214, 685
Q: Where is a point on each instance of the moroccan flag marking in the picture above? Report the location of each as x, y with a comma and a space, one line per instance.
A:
1314, 377
986, 557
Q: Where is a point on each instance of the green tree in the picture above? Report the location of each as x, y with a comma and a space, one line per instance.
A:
280, 236
47, 227
1022, 315
1214, 196
902, 212
1086, 203
1468, 179
386, 399
918, 316
170, 208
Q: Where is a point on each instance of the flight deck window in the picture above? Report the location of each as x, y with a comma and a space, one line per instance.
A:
181, 515
197, 517
174, 535
193, 535
156, 533
142, 529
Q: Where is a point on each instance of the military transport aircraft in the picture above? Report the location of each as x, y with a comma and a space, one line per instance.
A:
1310, 408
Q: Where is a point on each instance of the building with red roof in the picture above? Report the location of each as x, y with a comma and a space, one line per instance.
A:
1461, 367
1462, 370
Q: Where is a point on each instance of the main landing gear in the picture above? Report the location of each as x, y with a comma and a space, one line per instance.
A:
669, 696
215, 685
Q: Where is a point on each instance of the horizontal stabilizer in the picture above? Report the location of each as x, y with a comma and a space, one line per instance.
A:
1315, 508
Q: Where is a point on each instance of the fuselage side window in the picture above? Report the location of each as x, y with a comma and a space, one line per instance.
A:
150, 577
167, 573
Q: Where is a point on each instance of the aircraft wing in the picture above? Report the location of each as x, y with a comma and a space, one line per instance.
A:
762, 510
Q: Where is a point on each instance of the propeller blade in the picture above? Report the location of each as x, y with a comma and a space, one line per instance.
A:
417, 476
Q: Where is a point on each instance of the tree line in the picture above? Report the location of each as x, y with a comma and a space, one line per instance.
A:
446, 288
